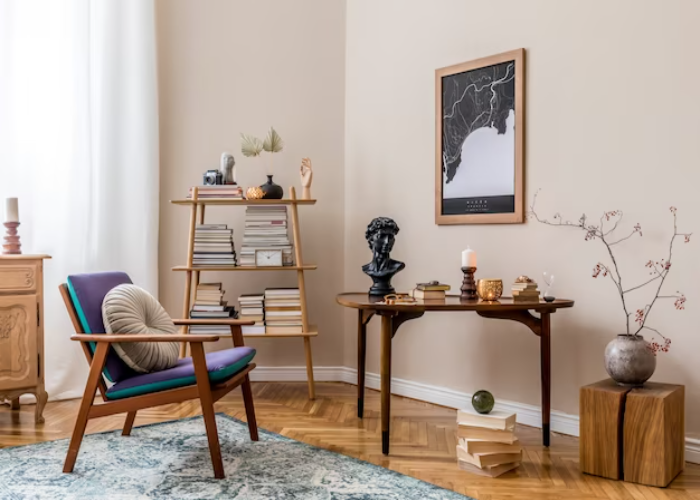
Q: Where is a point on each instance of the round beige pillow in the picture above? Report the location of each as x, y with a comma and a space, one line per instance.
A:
128, 309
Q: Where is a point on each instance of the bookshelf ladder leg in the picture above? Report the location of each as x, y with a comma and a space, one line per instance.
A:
302, 294
190, 256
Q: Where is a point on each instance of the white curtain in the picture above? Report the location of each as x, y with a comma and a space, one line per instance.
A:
79, 148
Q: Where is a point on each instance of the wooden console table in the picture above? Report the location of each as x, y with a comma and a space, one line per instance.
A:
395, 315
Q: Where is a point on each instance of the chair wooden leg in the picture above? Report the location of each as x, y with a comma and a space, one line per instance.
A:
205, 398
249, 408
128, 423
14, 404
98, 362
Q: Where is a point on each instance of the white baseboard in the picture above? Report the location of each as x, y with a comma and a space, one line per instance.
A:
529, 415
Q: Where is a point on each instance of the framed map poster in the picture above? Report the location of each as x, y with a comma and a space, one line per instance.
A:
479, 122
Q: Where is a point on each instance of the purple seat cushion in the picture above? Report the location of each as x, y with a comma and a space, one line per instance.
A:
222, 365
87, 292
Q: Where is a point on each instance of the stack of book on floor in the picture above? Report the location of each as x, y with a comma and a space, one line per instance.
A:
213, 245
209, 303
525, 291
251, 309
487, 444
228, 191
283, 310
430, 291
266, 229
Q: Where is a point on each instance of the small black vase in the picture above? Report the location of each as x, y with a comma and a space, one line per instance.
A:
272, 191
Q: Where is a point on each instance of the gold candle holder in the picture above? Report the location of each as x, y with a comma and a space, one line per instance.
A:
489, 290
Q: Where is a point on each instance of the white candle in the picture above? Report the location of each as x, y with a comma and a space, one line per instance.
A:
11, 210
468, 258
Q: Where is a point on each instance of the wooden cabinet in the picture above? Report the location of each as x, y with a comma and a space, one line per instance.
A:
22, 330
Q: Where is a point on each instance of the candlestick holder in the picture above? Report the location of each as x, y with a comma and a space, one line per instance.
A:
468, 284
12, 244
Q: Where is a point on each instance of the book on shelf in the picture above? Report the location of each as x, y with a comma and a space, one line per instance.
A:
428, 294
283, 310
229, 191
251, 309
209, 303
497, 419
213, 245
492, 471
266, 229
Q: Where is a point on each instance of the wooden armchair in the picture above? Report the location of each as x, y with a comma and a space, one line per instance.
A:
207, 377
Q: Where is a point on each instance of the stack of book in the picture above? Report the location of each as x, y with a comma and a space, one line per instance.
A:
213, 245
209, 303
229, 191
430, 291
266, 229
487, 444
283, 310
251, 309
525, 292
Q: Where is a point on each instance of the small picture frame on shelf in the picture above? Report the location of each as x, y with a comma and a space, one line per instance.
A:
268, 258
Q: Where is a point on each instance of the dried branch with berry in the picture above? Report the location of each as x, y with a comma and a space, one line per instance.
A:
604, 231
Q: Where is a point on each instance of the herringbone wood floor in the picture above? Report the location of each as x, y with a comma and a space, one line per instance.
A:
423, 441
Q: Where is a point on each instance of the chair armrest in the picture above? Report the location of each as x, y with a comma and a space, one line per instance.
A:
227, 322
132, 337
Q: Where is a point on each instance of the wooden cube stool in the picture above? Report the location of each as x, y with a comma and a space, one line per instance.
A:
633, 434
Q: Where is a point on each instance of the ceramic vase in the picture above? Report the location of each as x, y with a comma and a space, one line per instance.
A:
272, 191
629, 360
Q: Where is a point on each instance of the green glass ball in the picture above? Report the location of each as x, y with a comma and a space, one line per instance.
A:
483, 401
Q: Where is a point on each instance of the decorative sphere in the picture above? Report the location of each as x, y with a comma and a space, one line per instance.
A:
483, 401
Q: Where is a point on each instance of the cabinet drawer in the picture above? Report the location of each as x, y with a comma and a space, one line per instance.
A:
18, 276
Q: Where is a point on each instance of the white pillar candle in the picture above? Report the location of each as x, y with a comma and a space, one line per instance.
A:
468, 258
11, 210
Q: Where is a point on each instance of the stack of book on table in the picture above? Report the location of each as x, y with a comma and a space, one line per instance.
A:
525, 292
251, 309
229, 191
209, 303
283, 310
487, 444
266, 229
430, 291
213, 245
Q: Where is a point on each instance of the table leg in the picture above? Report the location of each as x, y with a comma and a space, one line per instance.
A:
545, 363
387, 333
361, 358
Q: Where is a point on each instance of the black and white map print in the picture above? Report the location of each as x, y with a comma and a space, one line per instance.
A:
478, 140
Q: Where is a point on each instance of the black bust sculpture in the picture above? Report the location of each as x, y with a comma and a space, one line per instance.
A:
380, 236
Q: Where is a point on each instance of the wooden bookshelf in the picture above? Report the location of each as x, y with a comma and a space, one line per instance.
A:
192, 273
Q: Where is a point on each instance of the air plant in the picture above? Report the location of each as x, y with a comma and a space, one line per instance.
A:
252, 147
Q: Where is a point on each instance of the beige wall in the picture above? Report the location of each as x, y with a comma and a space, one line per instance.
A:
227, 67
612, 122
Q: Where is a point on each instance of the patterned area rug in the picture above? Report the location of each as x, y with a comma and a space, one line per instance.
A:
171, 460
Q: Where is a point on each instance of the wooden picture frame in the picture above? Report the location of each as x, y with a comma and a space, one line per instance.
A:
493, 120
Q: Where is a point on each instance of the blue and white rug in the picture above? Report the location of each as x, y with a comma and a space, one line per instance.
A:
171, 460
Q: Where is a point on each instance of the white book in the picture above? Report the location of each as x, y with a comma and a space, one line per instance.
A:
497, 419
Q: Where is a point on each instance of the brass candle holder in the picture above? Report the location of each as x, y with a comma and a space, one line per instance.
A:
12, 244
489, 290
468, 284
